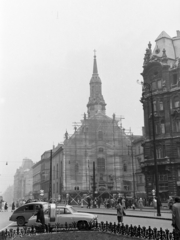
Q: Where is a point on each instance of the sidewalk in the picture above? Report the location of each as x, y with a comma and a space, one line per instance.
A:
165, 214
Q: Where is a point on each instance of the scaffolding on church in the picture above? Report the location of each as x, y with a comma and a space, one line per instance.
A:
102, 140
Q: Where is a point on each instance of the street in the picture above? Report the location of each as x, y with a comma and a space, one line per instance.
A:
4, 219
135, 221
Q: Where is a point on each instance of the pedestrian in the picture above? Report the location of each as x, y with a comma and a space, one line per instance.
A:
13, 206
120, 210
176, 214
5, 206
99, 202
124, 203
170, 202
40, 215
140, 204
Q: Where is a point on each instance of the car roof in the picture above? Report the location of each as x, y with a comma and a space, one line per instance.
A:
36, 203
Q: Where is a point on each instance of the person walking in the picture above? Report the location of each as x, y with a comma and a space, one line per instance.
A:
176, 214
40, 216
140, 204
99, 202
120, 210
124, 203
5, 206
13, 206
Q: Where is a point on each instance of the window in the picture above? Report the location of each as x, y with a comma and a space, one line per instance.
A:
163, 177
159, 84
101, 150
176, 102
101, 165
178, 151
76, 167
100, 135
156, 128
57, 172
176, 125
125, 167
53, 172
140, 179
161, 107
57, 187
162, 127
66, 211
178, 173
159, 153
153, 85
174, 79
163, 186
154, 106
53, 187
29, 208
126, 188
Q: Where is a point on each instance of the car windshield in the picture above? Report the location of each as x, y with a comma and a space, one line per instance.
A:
72, 210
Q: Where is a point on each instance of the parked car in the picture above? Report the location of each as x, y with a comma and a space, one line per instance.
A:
65, 214
23, 213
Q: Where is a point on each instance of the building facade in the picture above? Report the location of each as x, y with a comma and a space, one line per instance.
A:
23, 180
101, 140
36, 180
138, 160
57, 172
161, 102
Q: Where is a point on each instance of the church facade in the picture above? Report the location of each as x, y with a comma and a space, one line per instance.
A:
99, 139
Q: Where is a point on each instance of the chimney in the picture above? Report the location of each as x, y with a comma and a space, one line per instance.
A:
178, 33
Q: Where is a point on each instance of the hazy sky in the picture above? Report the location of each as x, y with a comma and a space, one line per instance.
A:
46, 62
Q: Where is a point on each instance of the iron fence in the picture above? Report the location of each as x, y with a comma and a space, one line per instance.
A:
105, 227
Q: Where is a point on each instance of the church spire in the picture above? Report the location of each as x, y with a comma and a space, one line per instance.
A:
96, 101
95, 69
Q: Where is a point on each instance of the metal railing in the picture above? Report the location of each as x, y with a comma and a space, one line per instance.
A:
105, 227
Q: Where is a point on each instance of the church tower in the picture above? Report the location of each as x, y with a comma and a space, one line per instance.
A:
96, 101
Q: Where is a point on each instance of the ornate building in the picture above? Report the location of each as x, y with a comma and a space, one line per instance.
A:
99, 139
161, 75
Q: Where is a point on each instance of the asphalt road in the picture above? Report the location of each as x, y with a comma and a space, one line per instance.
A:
4, 219
111, 217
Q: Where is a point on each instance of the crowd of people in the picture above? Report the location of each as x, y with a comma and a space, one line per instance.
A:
112, 202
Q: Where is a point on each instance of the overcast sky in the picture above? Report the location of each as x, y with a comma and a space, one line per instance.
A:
46, 62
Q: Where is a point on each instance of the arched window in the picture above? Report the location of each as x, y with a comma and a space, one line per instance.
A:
100, 135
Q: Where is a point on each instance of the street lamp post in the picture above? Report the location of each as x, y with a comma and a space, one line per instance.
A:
154, 149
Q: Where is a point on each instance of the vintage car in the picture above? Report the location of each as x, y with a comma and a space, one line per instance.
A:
64, 214
23, 213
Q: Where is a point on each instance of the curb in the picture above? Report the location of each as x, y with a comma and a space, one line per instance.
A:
128, 215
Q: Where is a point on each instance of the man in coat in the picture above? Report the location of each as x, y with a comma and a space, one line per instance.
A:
120, 211
40, 216
176, 214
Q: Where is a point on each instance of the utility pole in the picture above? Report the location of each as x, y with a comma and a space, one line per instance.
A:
155, 159
50, 177
132, 155
94, 182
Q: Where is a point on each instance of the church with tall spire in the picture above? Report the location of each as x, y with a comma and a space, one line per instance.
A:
101, 140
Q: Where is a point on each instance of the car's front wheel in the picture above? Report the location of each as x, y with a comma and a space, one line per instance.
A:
82, 225
20, 221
